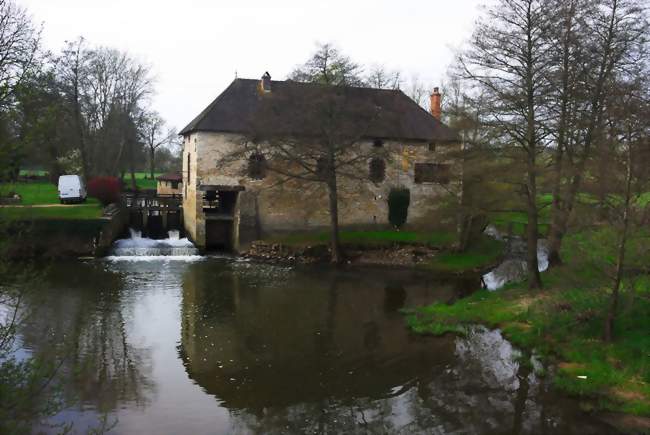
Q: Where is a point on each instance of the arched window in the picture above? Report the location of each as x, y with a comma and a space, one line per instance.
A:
257, 166
377, 170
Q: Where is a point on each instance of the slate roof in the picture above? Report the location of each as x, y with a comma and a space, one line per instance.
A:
170, 176
292, 106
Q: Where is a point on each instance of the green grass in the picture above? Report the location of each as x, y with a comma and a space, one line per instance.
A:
84, 211
519, 220
484, 253
564, 324
142, 180
40, 192
368, 238
44, 193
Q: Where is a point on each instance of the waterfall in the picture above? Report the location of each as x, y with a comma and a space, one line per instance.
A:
514, 267
140, 247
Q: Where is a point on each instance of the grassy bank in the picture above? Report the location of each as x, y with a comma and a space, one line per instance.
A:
70, 212
142, 180
485, 253
564, 324
42, 194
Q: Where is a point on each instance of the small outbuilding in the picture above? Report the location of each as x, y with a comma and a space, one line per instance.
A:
170, 183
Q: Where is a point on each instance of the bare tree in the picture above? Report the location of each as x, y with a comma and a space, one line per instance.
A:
329, 66
380, 77
507, 62
315, 140
19, 44
627, 130
417, 91
154, 136
106, 90
71, 73
595, 41
482, 169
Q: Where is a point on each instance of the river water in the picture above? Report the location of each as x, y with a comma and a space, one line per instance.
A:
219, 346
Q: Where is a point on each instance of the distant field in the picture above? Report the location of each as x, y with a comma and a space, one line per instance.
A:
142, 180
33, 173
44, 193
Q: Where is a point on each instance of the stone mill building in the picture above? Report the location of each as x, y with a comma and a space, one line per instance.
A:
230, 199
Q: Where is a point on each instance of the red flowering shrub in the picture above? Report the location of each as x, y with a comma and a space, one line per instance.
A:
105, 189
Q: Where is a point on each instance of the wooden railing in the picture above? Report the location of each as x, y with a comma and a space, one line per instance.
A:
149, 200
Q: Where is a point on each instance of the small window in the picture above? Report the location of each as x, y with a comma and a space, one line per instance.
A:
378, 143
432, 146
377, 170
174, 184
432, 173
257, 166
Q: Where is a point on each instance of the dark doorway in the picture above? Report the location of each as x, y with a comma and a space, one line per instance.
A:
218, 235
219, 209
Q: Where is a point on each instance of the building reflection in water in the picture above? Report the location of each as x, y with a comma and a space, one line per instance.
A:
304, 351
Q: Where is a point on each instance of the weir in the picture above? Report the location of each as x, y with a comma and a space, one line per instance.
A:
138, 246
154, 214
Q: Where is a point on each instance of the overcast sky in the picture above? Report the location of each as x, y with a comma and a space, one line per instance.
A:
194, 47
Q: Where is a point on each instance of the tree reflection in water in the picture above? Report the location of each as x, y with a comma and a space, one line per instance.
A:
278, 350
288, 351
80, 317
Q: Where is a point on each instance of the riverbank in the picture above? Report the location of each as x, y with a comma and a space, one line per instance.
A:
430, 251
563, 324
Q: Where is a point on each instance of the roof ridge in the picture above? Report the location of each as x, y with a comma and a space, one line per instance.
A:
322, 85
240, 102
194, 122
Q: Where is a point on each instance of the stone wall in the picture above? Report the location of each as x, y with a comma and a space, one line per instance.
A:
269, 205
164, 187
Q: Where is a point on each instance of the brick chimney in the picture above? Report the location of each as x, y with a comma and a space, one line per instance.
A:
265, 83
435, 104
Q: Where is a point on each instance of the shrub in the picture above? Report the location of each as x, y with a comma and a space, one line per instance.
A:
398, 205
105, 189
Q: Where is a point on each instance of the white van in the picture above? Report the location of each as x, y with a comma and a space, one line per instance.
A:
71, 189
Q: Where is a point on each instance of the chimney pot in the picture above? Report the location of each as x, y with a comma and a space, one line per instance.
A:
436, 111
265, 83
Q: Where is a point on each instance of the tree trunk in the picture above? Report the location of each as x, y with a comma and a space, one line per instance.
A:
134, 185
152, 155
118, 159
85, 165
532, 266
559, 226
620, 260
337, 254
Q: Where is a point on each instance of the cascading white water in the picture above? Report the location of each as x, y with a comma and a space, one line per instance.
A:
138, 246
513, 268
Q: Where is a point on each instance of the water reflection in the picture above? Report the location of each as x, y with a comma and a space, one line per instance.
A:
80, 320
297, 352
221, 346
254, 344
